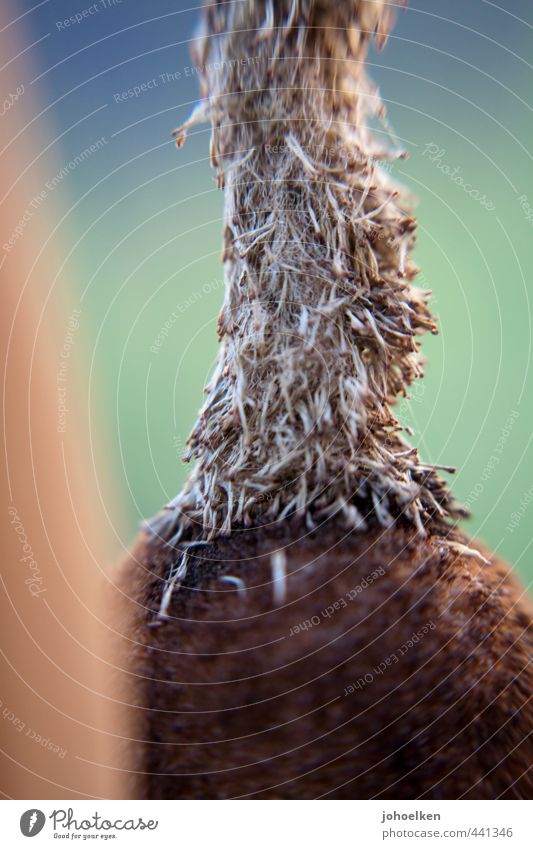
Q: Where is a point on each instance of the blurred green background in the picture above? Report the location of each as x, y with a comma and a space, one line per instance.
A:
142, 226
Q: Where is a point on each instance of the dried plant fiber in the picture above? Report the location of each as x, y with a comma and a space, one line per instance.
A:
320, 323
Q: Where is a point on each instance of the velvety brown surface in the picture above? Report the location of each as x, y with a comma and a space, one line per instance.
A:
239, 701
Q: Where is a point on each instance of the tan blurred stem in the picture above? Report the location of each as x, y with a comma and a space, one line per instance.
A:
57, 651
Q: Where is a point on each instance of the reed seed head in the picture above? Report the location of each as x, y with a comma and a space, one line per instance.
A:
320, 325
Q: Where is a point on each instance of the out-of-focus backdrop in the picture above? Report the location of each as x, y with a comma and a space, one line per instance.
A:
111, 238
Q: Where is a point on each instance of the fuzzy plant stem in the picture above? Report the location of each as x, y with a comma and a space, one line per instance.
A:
320, 322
